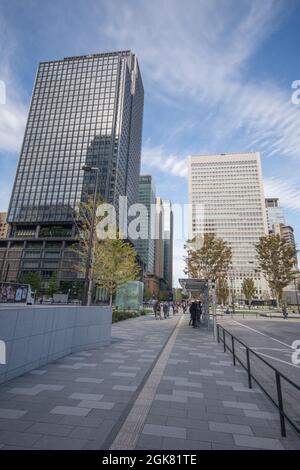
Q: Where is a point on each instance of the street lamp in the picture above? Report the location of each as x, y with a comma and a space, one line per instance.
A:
87, 291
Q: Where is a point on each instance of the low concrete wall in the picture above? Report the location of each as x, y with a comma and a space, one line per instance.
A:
36, 335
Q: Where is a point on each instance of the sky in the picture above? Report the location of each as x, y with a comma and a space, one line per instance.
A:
217, 75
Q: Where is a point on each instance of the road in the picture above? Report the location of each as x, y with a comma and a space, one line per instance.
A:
274, 341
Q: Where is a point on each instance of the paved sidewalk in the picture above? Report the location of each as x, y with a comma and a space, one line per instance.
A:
169, 383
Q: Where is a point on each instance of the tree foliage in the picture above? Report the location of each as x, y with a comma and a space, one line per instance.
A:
222, 290
209, 260
276, 259
53, 285
34, 280
114, 259
114, 264
248, 288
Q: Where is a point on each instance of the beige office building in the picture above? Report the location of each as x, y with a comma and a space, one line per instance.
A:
227, 198
3, 225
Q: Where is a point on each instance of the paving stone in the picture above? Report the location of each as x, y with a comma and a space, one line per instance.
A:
184, 444
11, 414
24, 439
230, 428
126, 388
242, 405
51, 429
258, 442
100, 405
261, 414
165, 431
57, 443
89, 380
70, 410
86, 396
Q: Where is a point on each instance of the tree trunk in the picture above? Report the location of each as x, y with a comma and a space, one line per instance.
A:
110, 299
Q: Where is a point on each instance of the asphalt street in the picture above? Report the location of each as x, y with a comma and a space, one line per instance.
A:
274, 340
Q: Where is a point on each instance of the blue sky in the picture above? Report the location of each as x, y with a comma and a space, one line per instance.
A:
217, 77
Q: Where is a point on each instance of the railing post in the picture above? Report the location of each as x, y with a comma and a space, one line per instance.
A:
233, 351
224, 340
280, 404
248, 368
218, 332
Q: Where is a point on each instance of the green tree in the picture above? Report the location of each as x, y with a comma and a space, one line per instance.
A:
248, 288
276, 259
115, 263
114, 260
222, 290
208, 257
34, 280
53, 285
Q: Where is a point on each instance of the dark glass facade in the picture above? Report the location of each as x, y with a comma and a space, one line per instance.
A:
84, 110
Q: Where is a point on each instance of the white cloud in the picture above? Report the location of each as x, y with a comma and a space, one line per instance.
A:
13, 113
158, 158
286, 190
198, 51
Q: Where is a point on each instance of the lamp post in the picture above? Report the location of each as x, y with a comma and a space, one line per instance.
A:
87, 291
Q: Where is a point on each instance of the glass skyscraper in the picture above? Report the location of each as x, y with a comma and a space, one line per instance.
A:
85, 110
145, 247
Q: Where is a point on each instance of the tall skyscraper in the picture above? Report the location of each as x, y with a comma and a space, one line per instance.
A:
287, 233
85, 110
145, 246
275, 213
168, 242
159, 241
227, 198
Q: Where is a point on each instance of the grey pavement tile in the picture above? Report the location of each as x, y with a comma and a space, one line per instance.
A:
90, 380
123, 374
149, 442
11, 413
86, 396
187, 422
14, 424
258, 442
165, 431
100, 405
230, 428
187, 393
170, 398
125, 388
24, 439
184, 444
70, 410
261, 414
59, 443
162, 420
81, 421
242, 405
209, 436
51, 429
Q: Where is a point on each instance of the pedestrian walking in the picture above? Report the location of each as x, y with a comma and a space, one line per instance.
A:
165, 310
157, 311
193, 312
284, 312
198, 313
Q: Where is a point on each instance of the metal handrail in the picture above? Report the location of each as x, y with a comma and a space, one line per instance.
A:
278, 376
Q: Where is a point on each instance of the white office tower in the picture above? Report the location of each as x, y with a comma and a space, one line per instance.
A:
227, 198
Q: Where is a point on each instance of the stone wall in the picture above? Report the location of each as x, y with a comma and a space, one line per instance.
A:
34, 335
